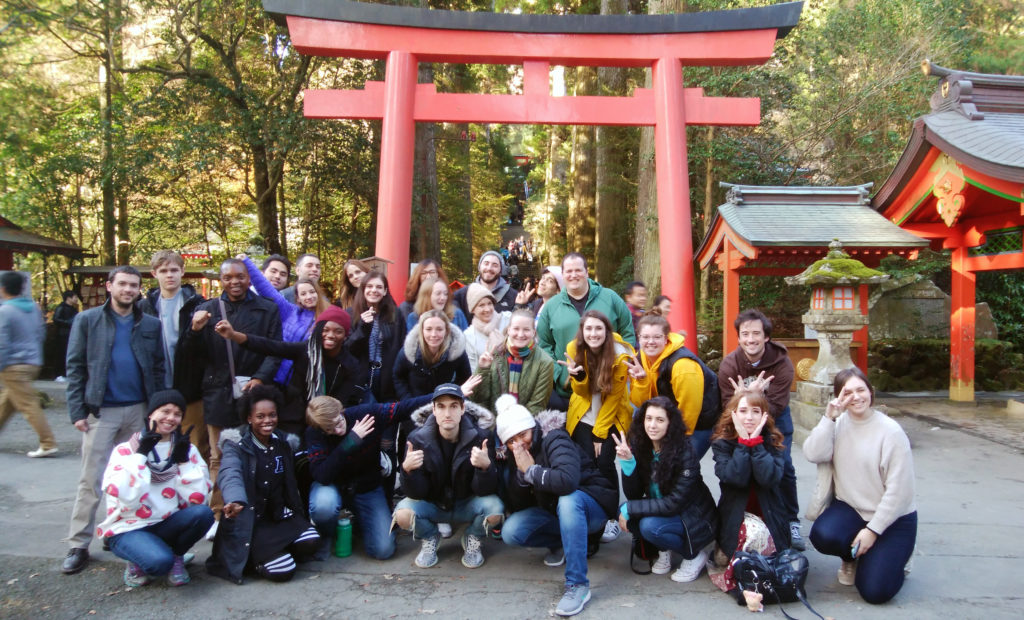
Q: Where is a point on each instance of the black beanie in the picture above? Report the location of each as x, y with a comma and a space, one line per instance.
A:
166, 397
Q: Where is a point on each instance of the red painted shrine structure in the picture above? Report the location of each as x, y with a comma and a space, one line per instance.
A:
960, 185
404, 37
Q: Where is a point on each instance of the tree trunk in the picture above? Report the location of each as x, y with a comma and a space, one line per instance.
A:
426, 233
554, 186
266, 197
611, 205
283, 219
646, 247
581, 222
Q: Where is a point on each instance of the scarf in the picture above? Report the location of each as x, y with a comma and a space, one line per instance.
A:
516, 356
160, 470
487, 328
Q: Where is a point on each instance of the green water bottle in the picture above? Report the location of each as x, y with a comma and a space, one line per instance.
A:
343, 535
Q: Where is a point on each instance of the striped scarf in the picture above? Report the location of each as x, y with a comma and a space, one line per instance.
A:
516, 358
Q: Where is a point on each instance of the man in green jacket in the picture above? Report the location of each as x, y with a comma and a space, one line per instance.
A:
560, 318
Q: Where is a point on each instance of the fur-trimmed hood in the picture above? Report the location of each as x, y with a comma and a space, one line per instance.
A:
453, 347
483, 418
235, 435
550, 420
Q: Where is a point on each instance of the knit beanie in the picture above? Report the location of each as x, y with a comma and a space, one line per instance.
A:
497, 255
336, 314
513, 418
477, 292
166, 397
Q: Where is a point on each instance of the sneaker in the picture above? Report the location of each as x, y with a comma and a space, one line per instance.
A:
689, 570
795, 539
61, 379
575, 597
611, 531
663, 564
179, 574
427, 556
188, 557
473, 557
847, 573
554, 557
445, 530
135, 577
40, 452
909, 566
212, 532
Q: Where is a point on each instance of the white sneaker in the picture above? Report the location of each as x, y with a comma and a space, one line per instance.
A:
611, 531
689, 570
445, 530
663, 564
61, 379
847, 573
39, 453
212, 532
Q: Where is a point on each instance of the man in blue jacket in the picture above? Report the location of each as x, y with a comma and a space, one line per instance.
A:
21, 357
115, 363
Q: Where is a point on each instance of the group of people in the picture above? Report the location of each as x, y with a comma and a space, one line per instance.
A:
550, 418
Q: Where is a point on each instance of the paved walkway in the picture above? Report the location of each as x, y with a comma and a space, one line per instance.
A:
970, 494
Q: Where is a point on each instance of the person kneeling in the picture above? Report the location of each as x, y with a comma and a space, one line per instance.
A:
264, 522
157, 488
556, 494
449, 476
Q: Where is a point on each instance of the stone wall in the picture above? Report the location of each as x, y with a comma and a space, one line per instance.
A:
915, 308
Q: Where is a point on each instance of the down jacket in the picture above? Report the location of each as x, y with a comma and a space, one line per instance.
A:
562, 467
434, 481
414, 377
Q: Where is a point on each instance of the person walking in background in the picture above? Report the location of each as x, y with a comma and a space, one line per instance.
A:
63, 315
115, 364
636, 299
21, 357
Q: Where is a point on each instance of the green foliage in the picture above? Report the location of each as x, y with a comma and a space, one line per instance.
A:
1004, 293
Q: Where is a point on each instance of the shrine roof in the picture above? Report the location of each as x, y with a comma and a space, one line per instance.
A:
15, 239
809, 216
782, 16
976, 118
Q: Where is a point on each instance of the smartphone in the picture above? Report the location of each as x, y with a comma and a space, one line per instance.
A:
854, 549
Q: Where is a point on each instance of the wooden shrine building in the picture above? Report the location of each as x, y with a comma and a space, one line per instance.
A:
960, 185
779, 231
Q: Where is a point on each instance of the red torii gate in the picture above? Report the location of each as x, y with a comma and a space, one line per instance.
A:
404, 37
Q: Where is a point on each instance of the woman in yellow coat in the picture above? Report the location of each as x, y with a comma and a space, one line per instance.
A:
599, 362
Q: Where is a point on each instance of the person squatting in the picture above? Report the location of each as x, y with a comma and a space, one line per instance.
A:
553, 418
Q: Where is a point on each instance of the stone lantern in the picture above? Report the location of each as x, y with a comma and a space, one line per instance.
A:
835, 315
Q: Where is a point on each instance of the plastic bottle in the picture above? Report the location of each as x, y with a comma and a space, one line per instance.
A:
343, 536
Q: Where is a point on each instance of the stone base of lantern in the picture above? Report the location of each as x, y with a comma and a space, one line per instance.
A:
807, 405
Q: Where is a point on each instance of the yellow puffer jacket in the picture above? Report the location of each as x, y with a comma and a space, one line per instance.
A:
616, 409
687, 382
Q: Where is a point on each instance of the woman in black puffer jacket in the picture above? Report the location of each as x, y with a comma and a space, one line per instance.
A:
668, 505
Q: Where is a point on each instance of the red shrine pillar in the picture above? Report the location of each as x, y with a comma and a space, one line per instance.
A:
730, 296
675, 235
397, 147
961, 328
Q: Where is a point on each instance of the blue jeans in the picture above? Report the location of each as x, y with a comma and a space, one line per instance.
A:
371, 512
154, 547
578, 515
701, 442
668, 534
787, 488
472, 510
880, 570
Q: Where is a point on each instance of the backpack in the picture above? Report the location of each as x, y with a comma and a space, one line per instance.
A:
711, 404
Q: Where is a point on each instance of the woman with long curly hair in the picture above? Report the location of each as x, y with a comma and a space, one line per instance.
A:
749, 462
668, 504
599, 362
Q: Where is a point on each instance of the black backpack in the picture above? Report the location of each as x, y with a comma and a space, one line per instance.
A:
711, 405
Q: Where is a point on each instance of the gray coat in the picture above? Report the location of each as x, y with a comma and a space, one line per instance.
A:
89, 349
21, 333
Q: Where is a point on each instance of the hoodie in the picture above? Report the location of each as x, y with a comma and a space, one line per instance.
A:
21, 333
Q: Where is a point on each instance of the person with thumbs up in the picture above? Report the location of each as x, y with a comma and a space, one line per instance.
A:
449, 476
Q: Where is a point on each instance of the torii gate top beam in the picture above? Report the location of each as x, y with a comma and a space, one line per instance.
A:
360, 30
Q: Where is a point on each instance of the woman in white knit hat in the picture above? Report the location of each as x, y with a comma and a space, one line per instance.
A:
486, 330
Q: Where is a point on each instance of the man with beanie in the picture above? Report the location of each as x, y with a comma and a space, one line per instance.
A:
490, 267
126, 346
555, 493
21, 357
449, 476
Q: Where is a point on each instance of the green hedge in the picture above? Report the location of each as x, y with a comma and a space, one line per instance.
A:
916, 365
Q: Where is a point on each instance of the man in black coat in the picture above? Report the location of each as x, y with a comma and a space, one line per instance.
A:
556, 494
63, 317
249, 313
449, 476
